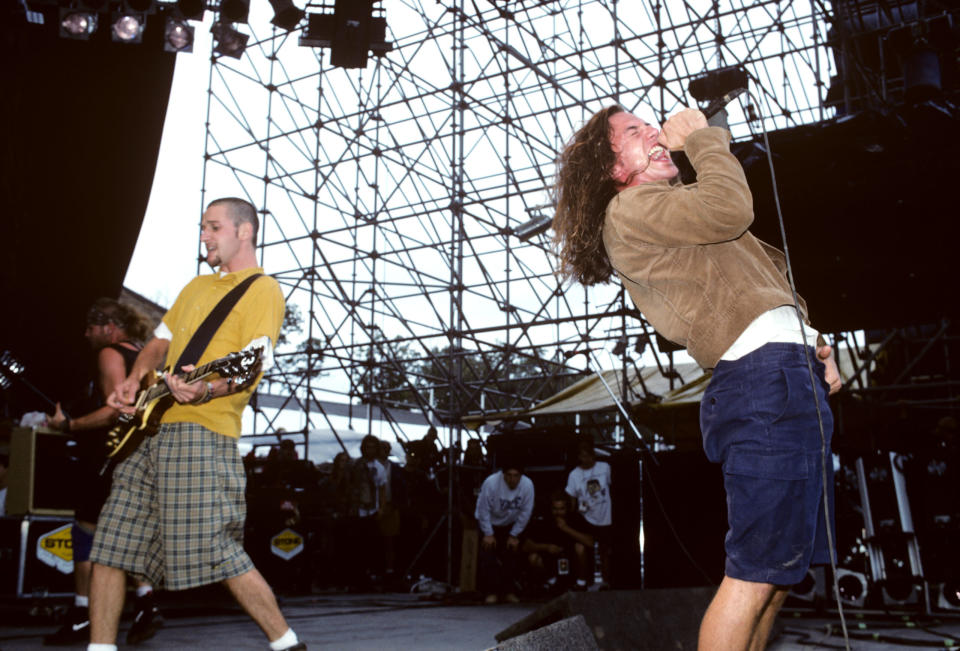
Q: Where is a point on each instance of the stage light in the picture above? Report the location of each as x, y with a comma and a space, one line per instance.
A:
191, 9
127, 28
949, 595
178, 36
230, 42
536, 226
285, 14
899, 591
641, 345
138, 6
714, 84
806, 590
351, 32
919, 46
77, 24
234, 11
852, 587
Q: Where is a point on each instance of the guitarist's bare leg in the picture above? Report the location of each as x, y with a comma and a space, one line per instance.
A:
255, 596
107, 591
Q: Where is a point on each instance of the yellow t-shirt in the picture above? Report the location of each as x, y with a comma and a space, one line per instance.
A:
258, 313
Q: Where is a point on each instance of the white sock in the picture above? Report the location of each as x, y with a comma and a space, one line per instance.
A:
101, 647
285, 641
81, 601
144, 589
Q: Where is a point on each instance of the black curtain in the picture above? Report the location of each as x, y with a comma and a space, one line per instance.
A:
83, 122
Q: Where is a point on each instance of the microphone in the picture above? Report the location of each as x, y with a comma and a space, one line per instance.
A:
717, 105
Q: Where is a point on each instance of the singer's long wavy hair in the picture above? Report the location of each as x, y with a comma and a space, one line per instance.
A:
583, 190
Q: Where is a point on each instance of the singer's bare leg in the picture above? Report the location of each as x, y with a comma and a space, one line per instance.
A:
762, 634
738, 612
107, 591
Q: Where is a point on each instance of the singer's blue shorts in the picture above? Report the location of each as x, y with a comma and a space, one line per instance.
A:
758, 417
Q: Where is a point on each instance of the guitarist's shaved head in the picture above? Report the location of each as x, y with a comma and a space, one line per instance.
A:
240, 211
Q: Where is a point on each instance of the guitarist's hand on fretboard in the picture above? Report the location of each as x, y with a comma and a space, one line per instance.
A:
185, 392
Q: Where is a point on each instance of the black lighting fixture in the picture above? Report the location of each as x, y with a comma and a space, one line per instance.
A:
714, 84
229, 42
77, 23
948, 595
920, 46
138, 6
127, 27
352, 32
852, 587
234, 11
286, 15
191, 9
717, 88
177, 35
532, 228
620, 347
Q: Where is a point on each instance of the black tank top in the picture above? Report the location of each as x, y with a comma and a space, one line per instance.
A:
91, 444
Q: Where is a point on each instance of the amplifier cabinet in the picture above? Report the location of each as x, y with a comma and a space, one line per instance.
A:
42, 472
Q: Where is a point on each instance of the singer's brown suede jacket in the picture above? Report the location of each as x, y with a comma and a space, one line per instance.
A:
685, 256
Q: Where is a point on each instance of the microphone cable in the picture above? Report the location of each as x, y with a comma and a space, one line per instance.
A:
828, 521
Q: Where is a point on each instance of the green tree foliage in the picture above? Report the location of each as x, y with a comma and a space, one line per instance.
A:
458, 381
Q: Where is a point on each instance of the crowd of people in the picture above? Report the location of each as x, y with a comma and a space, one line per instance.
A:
368, 519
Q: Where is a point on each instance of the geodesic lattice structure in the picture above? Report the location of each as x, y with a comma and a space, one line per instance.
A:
391, 194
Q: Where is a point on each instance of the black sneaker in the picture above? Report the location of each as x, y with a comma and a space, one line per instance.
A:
146, 621
75, 630
299, 646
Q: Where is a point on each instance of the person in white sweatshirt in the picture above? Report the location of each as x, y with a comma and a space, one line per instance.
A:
503, 510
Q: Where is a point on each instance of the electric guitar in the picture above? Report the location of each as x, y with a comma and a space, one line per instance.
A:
11, 368
155, 398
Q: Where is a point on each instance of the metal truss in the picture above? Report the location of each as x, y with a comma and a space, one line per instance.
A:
907, 369
390, 195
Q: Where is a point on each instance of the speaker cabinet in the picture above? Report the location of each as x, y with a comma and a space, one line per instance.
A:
640, 620
36, 556
41, 474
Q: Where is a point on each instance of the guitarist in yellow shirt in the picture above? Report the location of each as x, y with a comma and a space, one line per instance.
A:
177, 508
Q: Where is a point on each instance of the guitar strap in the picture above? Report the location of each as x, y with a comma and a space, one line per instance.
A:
201, 338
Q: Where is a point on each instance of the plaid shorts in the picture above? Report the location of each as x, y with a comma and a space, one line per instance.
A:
176, 511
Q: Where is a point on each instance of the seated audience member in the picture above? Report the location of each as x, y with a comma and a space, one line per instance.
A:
503, 510
555, 543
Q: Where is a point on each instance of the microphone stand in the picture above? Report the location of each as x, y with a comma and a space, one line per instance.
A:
589, 353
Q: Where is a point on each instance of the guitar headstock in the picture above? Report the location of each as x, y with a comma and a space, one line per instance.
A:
243, 366
10, 367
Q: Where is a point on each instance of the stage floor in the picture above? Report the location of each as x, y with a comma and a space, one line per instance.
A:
381, 622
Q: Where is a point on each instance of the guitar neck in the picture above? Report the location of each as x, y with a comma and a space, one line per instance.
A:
161, 390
